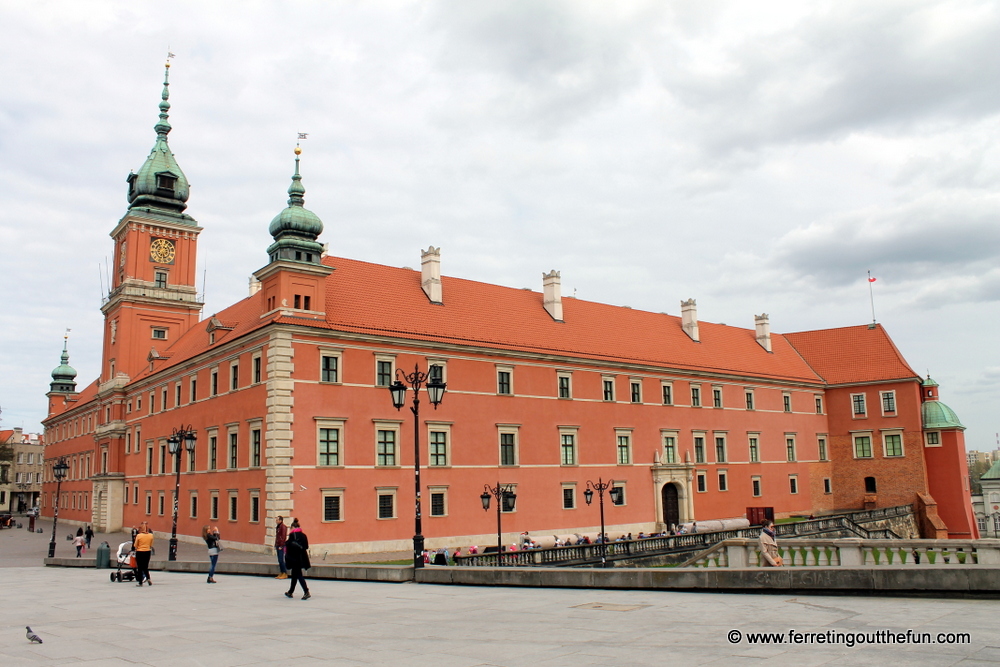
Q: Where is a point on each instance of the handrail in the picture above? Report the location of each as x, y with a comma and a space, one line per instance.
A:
588, 554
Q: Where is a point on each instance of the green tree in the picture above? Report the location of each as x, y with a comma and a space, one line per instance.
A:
976, 471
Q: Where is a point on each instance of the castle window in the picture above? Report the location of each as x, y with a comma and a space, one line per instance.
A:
933, 439
165, 182
695, 396
720, 449
893, 444
786, 402
329, 446
608, 386
862, 447
565, 385
702, 482
670, 448
160, 279
438, 505
822, 448
858, 405
717, 397
331, 505
754, 449
723, 481
668, 393
699, 449
329, 367
827, 485
508, 448
383, 370
387, 503
793, 484
749, 397
386, 450
624, 449
567, 449
888, 402
870, 485
636, 390
755, 483
504, 381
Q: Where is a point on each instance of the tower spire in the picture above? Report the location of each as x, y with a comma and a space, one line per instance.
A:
296, 228
163, 126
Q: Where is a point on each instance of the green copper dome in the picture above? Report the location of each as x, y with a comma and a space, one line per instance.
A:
64, 375
160, 184
296, 228
938, 415
993, 472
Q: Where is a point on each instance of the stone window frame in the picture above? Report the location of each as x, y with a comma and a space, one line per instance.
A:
232, 447
213, 505
753, 446
564, 385
338, 371
695, 394
509, 370
212, 449
827, 486
791, 448
718, 396
394, 425
149, 503
573, 433
332, 492
438, 361
433, 490
667, 392
338, 424
635, 390
823, 446
723, 479
257, 367
608, 389
439, 427
793, 484
724, 437
695, 436
855, 435
512, 429
254, 495
193, 504
932, 439
233, 505
625, 433
675, 435
564, 496
786, 402
161, 503
381, 358
749, 398
756, 486
624, 493
256, 448
701, 481
818, 399
859, 400
885, 433
888, 397
391, 491
234, 374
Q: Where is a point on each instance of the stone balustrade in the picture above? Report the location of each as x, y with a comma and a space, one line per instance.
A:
853, 552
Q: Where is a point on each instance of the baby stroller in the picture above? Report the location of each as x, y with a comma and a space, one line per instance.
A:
125, 559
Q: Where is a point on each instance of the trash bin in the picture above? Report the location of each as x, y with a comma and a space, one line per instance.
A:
103, 555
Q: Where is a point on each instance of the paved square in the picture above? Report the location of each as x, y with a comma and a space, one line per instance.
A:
180, 620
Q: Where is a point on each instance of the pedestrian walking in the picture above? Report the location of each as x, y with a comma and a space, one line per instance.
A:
79, 541
769, 546
280, 537
211, 536
89, 534
297, 558
143, 545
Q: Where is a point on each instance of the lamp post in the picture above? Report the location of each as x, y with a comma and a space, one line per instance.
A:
182, 438
59, 470
506, 499
616, 494
435, 392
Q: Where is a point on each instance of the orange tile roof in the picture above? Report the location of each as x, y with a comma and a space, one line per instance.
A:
852, 354
375, 299
6, 435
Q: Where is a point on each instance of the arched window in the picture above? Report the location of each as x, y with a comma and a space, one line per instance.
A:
870, 486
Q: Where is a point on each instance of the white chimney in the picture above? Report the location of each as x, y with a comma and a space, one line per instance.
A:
553, 295
254, 285
430, 273
763, 325
689, 318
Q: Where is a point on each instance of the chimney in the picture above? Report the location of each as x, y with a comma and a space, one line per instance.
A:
689, 318
430, 273
254, 285
553, 295
763, 325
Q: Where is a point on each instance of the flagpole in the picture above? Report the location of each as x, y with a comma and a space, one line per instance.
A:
871, 295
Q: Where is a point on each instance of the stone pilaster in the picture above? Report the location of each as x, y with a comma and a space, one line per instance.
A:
278, 430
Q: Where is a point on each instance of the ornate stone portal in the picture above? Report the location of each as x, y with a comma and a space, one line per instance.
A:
672, 485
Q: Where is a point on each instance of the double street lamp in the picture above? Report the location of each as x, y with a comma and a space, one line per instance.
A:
616, 497
59, 470
506, 498
435, 392
182, 438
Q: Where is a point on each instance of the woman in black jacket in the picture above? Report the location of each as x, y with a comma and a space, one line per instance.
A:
297, 558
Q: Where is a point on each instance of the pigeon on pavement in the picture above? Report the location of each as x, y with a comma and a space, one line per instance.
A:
32, 637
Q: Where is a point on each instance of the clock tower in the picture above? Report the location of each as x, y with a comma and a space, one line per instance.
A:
153, 299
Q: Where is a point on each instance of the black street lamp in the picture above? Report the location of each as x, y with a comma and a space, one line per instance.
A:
435, 392
616, 497
182, 438
506, 499
59, 470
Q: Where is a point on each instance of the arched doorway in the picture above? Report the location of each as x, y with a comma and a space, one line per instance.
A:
671, 505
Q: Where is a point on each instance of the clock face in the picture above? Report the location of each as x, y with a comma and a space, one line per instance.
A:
162, 250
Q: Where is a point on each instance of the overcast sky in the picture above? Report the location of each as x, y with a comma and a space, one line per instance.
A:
757, 156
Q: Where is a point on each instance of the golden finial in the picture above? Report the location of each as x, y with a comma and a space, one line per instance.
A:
298, 150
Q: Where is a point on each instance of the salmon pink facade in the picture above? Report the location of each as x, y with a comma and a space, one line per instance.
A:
287, 392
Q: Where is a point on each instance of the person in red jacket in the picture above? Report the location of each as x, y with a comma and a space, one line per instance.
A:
280, 536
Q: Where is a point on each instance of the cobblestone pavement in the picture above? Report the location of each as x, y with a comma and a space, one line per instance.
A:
85, 619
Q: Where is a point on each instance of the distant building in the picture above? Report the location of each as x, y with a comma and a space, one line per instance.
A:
973, 457
288, 392
21, 478
987, 506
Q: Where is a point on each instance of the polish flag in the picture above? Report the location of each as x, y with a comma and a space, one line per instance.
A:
870, 279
